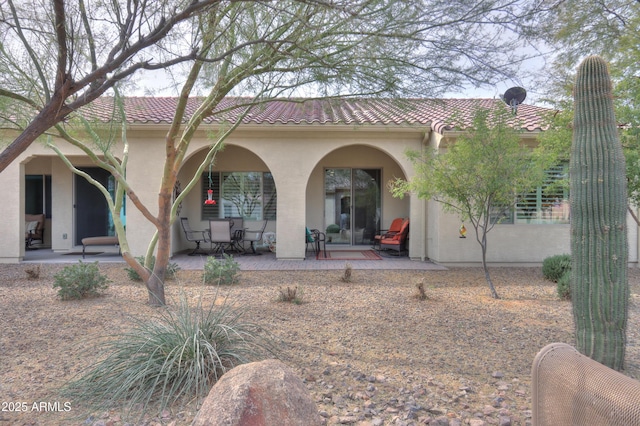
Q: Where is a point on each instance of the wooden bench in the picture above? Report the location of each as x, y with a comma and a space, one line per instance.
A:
99, 241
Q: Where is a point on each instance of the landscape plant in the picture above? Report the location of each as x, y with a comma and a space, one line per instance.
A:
291, 295
346, 273
172, 268
598, 196
251, 51
479, 177
172, 358
221, 271
554, 267
80, 281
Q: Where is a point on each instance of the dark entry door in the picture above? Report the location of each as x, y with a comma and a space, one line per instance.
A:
92, 210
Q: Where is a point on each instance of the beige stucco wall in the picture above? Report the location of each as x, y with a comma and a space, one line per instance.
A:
296, 156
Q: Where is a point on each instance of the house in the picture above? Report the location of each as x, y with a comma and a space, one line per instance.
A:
319, 163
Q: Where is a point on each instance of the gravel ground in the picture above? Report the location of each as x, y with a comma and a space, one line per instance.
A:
369, 351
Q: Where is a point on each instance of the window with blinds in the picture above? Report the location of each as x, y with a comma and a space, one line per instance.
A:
250, 195
549, 203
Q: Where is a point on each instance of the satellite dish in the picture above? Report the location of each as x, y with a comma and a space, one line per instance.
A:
514, 97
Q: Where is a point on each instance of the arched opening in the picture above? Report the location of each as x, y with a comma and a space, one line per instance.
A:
347, 196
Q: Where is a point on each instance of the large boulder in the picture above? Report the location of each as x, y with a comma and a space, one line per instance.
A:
265, 393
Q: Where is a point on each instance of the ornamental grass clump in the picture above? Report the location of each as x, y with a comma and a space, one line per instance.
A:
173, 358
80, 281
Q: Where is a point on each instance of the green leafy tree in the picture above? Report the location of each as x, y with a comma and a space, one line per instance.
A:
479, 177
257, 49
574, 29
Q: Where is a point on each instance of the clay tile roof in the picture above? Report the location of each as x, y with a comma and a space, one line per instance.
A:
434, 113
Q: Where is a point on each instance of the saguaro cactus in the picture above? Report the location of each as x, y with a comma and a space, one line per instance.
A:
598, 194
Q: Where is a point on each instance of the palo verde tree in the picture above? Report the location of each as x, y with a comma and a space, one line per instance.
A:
598, 197
479, 177
57, 56
258, 49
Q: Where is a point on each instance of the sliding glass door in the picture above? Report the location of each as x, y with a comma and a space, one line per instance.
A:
352, 205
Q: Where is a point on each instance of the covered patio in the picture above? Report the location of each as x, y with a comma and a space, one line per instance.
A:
265, 262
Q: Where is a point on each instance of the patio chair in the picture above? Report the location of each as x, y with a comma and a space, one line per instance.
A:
254, 236
315, 238
396, 242
194, 236
396, 226
237, 233
569, 388
34, 230
220, 235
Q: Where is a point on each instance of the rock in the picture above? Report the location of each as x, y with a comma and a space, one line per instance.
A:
504, 421
262, 393
476, 422
497, 375
440, 421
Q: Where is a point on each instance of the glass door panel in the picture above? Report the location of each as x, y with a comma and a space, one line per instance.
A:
366, 211
337, 206
352, 205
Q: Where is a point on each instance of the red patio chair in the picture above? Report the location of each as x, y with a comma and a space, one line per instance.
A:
395, 227
398, 241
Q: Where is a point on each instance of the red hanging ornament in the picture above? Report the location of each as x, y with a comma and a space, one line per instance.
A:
210, 200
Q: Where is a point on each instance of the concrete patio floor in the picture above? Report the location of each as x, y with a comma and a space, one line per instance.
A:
265, 262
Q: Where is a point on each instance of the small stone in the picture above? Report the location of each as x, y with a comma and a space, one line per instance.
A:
497, 375
504, 421
488, 410
477, 422
440, 421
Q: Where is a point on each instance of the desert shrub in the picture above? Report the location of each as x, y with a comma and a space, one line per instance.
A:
221, 271
564, 286
333, 229
33, 273
421, 294
291, 295
80, 281
346, 274
174, 357
555, 267
172, 269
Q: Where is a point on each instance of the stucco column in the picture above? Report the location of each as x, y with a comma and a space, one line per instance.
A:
12, 213
144, 173
417, 228
290, 224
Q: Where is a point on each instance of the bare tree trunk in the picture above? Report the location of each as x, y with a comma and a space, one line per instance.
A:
155, 287
633, 215
483, 244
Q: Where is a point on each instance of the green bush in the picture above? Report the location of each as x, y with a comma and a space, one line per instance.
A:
221, 271
80, 281
333, 229
173, 357
172, 269
555, 267
564, 286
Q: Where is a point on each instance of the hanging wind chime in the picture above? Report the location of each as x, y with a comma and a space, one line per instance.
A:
210, 200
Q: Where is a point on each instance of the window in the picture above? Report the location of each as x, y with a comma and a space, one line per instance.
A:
38, 194
250, 195
549, 203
